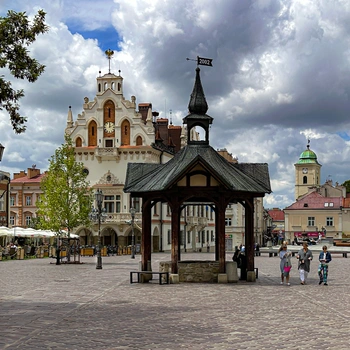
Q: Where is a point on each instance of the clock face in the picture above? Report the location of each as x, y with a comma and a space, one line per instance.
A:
109, 127
304, 170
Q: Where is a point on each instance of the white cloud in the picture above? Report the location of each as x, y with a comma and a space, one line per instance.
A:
281, 75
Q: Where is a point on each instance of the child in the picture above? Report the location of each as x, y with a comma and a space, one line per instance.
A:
324, 258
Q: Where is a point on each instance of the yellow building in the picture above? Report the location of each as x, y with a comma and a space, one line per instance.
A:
318, 208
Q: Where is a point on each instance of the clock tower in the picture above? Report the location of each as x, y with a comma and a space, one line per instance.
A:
307, 172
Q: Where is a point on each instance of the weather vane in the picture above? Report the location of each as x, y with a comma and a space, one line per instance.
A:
109, 53
202, 61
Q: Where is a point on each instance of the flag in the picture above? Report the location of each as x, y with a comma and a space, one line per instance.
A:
204, 61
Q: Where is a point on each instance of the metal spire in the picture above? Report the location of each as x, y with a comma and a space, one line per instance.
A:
109, 53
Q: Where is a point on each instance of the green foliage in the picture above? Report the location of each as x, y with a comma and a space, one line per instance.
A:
346, 184
67, 198
35, 223
16, 34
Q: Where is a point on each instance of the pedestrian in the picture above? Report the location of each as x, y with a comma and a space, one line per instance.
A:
305, 256
324, 258
285, 263
257, 249
208, 247
280, 238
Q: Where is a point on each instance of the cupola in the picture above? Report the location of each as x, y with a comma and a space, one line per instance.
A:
197, 116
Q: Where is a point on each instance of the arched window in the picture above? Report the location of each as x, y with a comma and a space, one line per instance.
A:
92, 133
113, 86
304, 180
125, 133
109, 117
109, 112
105, 86
119, 86
99, 87
78, 142
139, 141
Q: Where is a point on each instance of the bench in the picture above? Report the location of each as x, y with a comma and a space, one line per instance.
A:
342, 244
140, 273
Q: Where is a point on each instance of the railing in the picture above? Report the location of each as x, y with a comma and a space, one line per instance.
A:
108, 151
121, 218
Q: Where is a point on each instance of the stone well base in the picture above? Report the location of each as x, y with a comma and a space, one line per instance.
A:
194, 270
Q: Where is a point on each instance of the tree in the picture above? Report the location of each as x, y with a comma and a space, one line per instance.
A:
67, 197
346, 184
16, 34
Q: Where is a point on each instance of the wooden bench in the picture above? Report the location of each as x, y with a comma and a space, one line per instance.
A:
140, 273
342, 244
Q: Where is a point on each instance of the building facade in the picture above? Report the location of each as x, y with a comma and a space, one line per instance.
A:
4, 198
25, 192
318, 209
112, 131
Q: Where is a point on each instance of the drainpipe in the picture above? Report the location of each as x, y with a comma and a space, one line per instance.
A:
161, 215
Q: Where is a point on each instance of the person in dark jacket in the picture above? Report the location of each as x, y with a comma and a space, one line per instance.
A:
304, 256
324, 258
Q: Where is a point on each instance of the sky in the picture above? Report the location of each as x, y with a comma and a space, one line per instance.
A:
280, 76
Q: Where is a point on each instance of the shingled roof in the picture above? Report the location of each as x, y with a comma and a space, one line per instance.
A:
245, 177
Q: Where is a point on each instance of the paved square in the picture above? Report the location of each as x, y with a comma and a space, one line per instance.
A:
44, 306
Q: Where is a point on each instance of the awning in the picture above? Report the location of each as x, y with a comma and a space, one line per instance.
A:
312, 234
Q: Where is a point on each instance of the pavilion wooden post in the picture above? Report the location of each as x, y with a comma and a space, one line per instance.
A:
249, 238
146, 235
175, 229
221, 235
217, 254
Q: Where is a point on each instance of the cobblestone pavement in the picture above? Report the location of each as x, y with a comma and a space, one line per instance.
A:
44, 306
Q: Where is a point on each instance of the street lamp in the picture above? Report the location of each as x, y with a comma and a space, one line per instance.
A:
1, 151
98, 215
132, 212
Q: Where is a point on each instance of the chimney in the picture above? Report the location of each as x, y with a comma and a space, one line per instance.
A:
32, 172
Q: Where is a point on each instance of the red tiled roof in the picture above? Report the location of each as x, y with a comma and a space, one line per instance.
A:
25, 179
315, 200
276, 214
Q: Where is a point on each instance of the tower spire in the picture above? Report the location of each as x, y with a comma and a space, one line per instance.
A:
197, 116
198, 103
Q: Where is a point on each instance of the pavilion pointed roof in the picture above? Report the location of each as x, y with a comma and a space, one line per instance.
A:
198, 106
250, 179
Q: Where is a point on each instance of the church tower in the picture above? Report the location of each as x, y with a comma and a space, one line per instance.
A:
307, 172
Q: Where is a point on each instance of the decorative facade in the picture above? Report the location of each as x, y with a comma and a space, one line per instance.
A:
111, 132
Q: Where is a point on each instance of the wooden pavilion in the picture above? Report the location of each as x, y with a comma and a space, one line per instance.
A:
198, 174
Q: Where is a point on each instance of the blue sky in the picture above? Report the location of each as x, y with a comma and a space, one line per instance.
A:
280, 76
107, 38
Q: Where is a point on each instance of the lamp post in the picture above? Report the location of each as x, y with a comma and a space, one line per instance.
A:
98, 215
1, 151
132, 213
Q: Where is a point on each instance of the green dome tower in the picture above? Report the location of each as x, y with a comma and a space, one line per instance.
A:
307, 172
